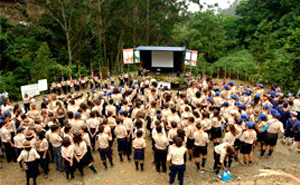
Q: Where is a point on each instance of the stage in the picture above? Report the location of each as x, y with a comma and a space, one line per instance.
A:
158, 59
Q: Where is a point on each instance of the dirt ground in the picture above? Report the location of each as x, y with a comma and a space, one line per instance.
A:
124, 173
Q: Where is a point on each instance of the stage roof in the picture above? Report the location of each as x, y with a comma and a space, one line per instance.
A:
159, 48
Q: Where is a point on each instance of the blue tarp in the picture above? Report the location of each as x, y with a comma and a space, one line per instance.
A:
159, 48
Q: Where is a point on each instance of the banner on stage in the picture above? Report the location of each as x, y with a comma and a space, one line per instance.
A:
128, 56
43, 85
32, 90
194, 58
187, 60
137, 58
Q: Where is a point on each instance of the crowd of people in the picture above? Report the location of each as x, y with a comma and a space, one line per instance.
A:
68, 127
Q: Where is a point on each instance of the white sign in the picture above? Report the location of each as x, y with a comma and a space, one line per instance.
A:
163, 84
32, 90
43, 85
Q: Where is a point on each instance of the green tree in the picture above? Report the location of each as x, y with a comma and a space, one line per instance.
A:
263, 43
203, 32
43, 62
72, 17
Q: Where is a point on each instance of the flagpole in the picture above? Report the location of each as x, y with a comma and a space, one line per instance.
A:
218, 73
197, 68
225, 72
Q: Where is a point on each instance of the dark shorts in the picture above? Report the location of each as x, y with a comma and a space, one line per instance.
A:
270, 139
297, 136
139, 154
217, 162
122, 144
32, 169
190, 143
200, 150
104, 152
86, 160
260, 136
289, 133
216, 132
89, 155
246, 148
237, 144
218, 108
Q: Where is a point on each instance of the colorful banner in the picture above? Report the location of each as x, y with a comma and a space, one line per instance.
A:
137, 58
194, 58
187, 60
128, 56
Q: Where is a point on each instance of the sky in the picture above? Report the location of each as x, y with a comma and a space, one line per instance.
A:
222, 4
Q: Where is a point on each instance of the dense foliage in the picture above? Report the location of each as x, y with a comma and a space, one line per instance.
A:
257, 40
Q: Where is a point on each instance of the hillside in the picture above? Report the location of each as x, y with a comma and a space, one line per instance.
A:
20, 10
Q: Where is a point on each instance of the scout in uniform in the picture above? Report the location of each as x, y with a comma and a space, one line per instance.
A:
102, 144
201, 141
248, 138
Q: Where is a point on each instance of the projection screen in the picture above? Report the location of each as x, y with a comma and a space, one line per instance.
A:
162, 59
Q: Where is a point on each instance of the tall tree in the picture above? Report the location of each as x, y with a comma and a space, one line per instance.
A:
72, 16
203, 32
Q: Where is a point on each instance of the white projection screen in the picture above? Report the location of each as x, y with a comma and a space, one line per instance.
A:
162, 59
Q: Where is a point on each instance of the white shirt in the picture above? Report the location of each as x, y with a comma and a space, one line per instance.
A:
77, 125
221, 149
127, 122
73, 108
161, 141
80, 149
43, 145
139, 143
275, 127
103, 140
248, 137
229, 138
5, 135
206, 124
18, 140
176, 155
172, 132
92, 123
28, 156
55, 140
67, 152
201, 139
86, 139
296, 105
120, 131
98, 108
110, 108
154, 132
190, 130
